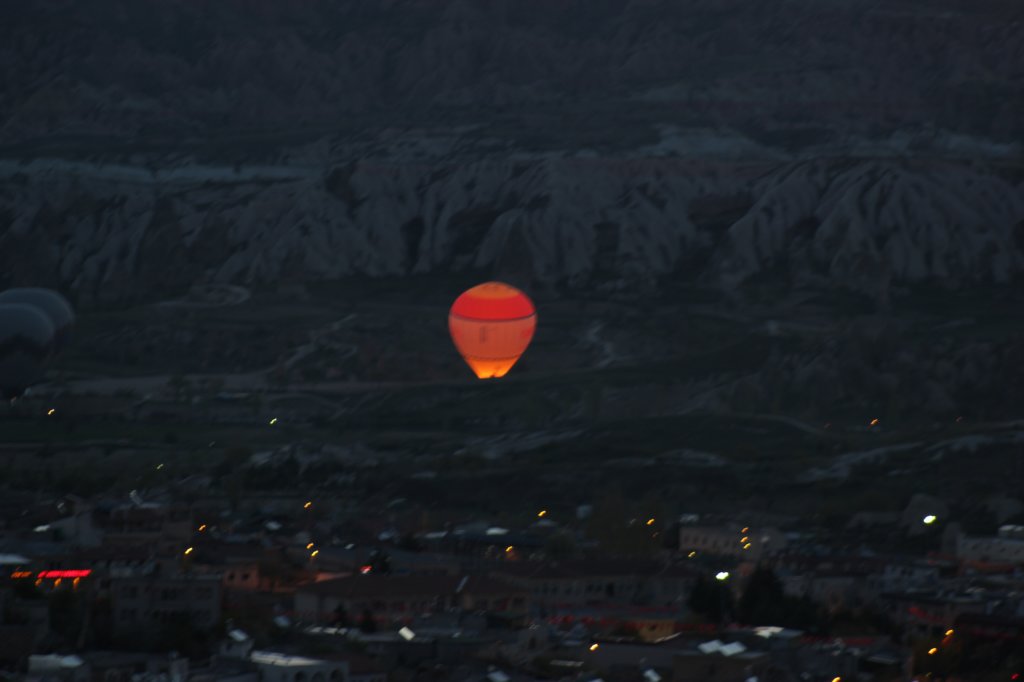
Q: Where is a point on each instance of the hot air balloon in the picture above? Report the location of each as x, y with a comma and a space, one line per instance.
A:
26, 342
492, 324
51, 304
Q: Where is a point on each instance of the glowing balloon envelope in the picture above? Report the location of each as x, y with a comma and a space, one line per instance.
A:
26, 341
492, 324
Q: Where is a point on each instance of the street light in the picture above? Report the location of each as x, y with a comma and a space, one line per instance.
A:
928, 520
722, 575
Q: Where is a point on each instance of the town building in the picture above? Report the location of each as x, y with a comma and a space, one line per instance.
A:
401, 598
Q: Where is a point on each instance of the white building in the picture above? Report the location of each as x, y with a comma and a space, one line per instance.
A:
275, 667
1003, 548
743, 542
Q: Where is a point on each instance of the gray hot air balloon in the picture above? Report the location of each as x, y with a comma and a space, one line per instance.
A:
52, 304
26, 343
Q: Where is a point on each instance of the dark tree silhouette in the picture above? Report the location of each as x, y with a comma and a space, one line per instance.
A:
712, 599
765, 602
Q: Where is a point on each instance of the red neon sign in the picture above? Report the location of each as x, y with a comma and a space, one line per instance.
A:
64, 574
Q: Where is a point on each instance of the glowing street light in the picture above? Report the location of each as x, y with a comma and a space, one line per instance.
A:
928, 520
650, 522
722, 575
933, 651
542, 513
188, 551
594, 646
307, 505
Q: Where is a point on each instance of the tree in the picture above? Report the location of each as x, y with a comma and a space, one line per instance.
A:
763, 598
764, 602
712, 599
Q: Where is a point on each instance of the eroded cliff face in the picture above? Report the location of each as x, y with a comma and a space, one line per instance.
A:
114, 230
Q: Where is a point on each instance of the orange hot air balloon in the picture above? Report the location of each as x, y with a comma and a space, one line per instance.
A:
491, 325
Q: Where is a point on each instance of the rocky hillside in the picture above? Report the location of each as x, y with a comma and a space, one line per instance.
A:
181, 66
151, 146
863, 225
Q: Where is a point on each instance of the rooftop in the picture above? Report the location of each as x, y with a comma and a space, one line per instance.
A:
370, 586
604, 568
